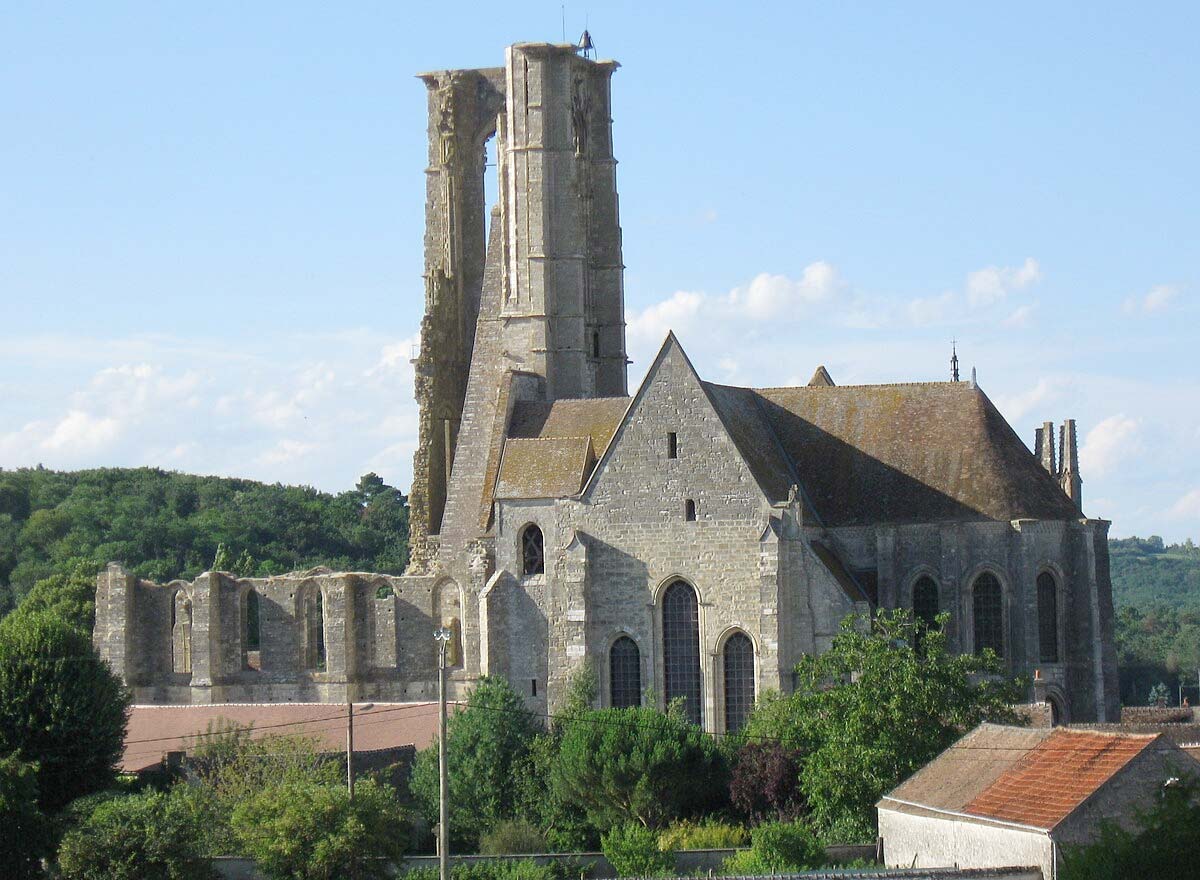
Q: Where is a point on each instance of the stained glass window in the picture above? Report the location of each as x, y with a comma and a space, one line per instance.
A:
989, 614
625, 673
681, 648
739, 680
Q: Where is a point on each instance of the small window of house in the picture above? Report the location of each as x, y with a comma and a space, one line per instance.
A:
672, 445
689, 510
596, 344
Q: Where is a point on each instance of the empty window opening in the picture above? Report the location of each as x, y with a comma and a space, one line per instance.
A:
925, 607
533, 687
253, 621
314, 632
989, 614
625, 673
672, 445
689, 510
681, 649
181, 633
596, 344
739, 681
1047, 600
384, 592
533, 560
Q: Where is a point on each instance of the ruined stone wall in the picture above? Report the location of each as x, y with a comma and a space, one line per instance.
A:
376, 631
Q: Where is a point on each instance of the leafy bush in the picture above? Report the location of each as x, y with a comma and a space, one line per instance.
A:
503, 869
61, 706
149, 836
778, 848
765, 782
706, 834
24, 831
487, 744
639, 765
510, 837
633, 851
308, 831
231, 766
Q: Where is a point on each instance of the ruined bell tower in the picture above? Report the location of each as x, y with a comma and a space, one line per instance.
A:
544, 284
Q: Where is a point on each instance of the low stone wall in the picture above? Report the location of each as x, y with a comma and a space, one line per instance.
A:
1158, 715
689, 863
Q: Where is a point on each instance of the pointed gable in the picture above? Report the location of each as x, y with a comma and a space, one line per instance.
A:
637, 471
821, 378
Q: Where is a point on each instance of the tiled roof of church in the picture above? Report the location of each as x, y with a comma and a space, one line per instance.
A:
544, 467
903, 453
596, 418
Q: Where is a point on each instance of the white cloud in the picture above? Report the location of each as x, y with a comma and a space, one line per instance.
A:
1156, 300
769, 296
286, 451
993, 283
927, 310
78, 431
677, 312
1188, 505
1019, 404
1020, 317
1110, 443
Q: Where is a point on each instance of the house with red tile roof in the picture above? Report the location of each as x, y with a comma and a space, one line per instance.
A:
1013, 795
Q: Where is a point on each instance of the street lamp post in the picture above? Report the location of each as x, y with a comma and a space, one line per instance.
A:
442, 635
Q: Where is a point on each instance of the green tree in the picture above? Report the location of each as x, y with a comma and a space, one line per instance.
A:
147, 836
309, 831
24, 831
872, 710
69, 596
638, 765
60, 706
487, 745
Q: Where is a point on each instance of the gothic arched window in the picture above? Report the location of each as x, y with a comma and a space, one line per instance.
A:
925, 601
1047, 604
314, 632
625, 673
533, 558
181, 633
253, 621
681, 648
989, 614
738, 659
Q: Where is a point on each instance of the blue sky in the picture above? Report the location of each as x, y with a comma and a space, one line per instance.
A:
211, 219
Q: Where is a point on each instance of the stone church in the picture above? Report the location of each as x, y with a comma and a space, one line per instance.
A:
691, 540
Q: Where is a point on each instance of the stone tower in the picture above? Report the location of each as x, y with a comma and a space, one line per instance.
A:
540, 294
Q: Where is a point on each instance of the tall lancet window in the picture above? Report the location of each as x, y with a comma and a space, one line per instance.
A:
681, 648
738, 658
625, 673
988, 602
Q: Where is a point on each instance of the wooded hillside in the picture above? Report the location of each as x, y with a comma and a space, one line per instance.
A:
166, 525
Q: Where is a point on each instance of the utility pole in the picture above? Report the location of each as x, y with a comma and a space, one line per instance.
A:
350, 744
350, 748
443, 635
